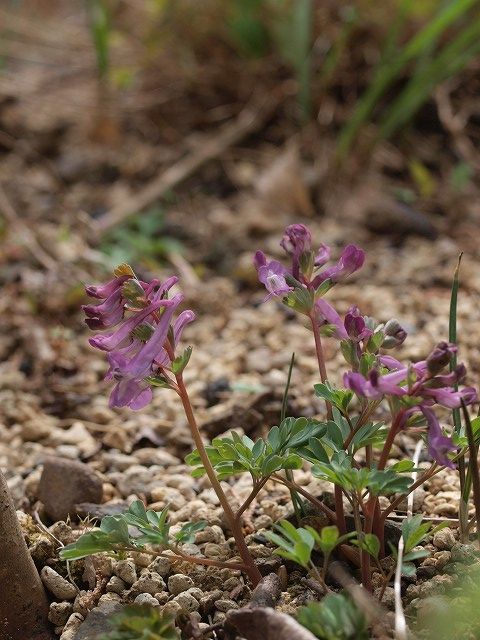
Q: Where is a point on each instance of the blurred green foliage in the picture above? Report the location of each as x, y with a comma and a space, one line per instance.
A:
454, 614
141, 240
382, 61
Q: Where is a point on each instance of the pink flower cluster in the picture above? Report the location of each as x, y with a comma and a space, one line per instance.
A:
142, 346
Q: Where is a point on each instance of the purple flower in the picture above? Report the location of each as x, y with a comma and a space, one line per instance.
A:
376, 386
138, 349
440, 356
103, 291
448, 397
325, 314
106, 314
438, 444
423, 390
351, 260
180, 323
355, 325
110, 341
131, 393
131, 389
272, 275
322, 256
297, 241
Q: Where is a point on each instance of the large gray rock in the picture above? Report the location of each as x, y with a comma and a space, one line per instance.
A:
97, 622
66, 483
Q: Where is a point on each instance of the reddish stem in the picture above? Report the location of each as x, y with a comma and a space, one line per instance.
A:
368, 512
394, 429
250, 568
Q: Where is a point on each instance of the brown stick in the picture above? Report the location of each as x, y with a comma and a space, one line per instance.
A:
25, 233
23, 603
251, 118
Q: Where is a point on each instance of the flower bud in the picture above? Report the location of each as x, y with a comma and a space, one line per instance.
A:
296, 240
440, 357
395, 334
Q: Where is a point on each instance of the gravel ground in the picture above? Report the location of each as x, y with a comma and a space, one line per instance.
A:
53, 403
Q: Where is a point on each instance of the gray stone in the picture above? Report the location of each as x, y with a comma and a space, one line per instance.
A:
444, 539
172, 608
61, 588
97, 622
187, 602
179, 582
148, 583
161, 565
59, 613
225, 605
115, 585
146, 598
125, 569
108, 598
70, 629
85, 509
64, 484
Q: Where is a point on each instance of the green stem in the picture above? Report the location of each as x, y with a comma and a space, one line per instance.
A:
473, 463
452, 337
338, 491
296, 500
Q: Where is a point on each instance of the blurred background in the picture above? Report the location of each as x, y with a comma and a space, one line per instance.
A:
174, 109
181, 136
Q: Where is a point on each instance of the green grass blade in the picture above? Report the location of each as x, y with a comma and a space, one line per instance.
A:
387, 73
452, 334
302, 34
452, 59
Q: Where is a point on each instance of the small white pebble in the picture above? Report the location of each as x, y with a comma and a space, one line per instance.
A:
146, 598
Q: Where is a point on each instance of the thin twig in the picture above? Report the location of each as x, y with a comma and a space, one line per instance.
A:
24, 232
415, 459
251, 118
400, 622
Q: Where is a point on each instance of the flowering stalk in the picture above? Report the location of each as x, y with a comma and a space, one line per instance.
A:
141, 354
302, 287
412, 391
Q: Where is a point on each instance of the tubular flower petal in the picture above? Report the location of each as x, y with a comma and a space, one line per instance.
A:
103, 291
438, 444
355, 326
322, 256
325, 314
439, 357
109, 341
351, 260
297, 240
272, 275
